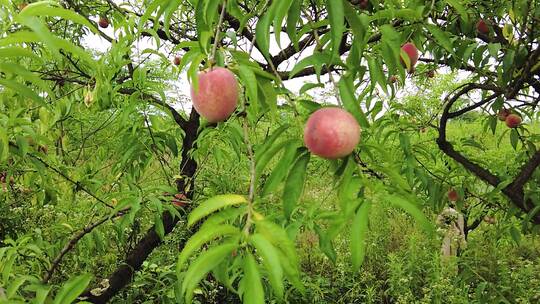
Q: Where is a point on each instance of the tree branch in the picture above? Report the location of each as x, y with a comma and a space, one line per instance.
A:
514, 191
77, 184
135, 258
181, 121
74, 240
526, 172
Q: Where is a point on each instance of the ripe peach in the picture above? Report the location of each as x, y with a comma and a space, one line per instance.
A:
331, 133
103, 22
453, 196
482, 27
217, 95
176, 60
178, 199
503, 113
411, 51
513, 121
363, 4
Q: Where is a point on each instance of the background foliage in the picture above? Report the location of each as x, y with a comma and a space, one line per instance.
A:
113, 189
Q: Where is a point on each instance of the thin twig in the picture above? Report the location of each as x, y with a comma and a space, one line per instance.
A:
154, 149
74, 240
252, 176
78, 185
218, 31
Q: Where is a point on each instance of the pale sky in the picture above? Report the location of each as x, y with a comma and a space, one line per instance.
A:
181, 87
95, 42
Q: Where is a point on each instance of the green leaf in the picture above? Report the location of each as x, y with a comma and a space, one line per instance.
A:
72, 289
248, 78
152, 6
336, 15
515, 234
19, 37
203, 29
391, 48
442, 37
20, 71
263, 160
351, 104
207, 261
262, 32
211, 10
359, 231
414, 211
23, 90
277, 236
44, 8
354, 21
158, 225
391, 13
41, 294
457, 4
213, 204
170, 9
317, 60
16, 51
282, 7
280, 171
270, 259
308, 86
54, 43
193, 71
287, 251
205, 234
294, 185
376, 73
253, 292
14, 285
309, 105
292, 19
514, 138
263, 149
269, 95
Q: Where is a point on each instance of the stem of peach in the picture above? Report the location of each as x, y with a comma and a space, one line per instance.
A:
216, 38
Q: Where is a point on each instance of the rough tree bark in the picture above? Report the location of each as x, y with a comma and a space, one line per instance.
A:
124, 273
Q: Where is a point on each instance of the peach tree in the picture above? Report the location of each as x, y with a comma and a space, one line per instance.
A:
100, 141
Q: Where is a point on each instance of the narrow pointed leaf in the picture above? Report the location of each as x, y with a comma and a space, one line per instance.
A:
213, 204
202, 265
72, 289
359, 231
270, 259
252, 285
294, 184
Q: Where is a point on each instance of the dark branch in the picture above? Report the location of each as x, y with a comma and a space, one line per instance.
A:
181, 121
74, 240
122, 276
77, 184
514, 191
526, 172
